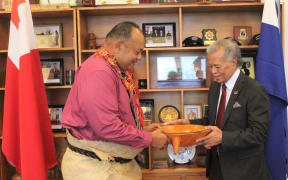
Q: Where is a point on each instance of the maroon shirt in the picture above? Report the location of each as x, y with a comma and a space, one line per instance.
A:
98, 107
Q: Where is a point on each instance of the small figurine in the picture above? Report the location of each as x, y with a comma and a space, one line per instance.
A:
91, 41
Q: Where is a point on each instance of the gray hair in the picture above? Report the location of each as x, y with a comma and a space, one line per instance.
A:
232, 50
122, 30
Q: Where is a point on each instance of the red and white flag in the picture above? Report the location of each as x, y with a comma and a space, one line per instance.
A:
28, 142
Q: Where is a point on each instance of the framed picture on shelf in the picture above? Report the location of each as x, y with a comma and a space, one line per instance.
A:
55, 112
192, 112
159, 34
52, 70
242, 34
143, 158
48, 35
147, 106
248, 66
184, 71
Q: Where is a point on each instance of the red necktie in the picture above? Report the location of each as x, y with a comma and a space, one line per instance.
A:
221, 108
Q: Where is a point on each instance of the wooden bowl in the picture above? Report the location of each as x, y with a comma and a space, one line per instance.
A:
184, 135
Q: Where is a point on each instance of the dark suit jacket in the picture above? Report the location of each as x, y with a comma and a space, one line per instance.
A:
245, 129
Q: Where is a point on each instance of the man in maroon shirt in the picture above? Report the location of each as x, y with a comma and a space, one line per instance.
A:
101, 114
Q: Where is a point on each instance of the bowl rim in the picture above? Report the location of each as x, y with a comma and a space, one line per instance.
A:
185, 133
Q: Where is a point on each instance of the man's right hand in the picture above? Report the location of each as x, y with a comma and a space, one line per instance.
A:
159, 139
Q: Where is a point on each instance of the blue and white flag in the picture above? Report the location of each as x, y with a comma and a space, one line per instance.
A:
270, 72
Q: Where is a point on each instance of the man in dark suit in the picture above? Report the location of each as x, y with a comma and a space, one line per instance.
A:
238, 116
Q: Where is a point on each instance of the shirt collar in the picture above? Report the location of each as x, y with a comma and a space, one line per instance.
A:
231, 82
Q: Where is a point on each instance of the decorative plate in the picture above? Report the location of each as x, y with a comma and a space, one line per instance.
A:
168, 113
185, 155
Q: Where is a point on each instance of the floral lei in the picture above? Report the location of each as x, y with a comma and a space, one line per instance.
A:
128, 80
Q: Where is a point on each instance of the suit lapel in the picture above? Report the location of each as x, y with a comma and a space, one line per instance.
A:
214, 102
234, 94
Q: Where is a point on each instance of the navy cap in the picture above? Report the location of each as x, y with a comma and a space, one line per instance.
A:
234, 40
192, 41
255, 40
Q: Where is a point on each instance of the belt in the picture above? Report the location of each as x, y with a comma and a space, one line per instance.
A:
94, 156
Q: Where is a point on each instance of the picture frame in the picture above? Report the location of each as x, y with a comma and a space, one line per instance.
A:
159, 34
49, 35
53, 71
143, 158
248, 65
242, 34
181, 71
147, 106
55, 113
192, 112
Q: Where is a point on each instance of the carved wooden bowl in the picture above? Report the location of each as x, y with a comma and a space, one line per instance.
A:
184, 135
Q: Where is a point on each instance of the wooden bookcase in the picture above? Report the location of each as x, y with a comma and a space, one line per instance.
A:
190, 19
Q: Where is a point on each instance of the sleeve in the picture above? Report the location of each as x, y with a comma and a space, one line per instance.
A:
256, 132
98, 99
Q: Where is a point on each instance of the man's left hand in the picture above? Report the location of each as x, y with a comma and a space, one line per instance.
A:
212, 139
151, 127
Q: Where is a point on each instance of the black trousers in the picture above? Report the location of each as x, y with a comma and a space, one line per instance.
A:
215, 172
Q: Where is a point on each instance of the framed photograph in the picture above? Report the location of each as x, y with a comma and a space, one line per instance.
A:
147, 106
184, 71
52, 70
143, 158
159, 34
48, 35
192, 112
248, 66
55, 112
